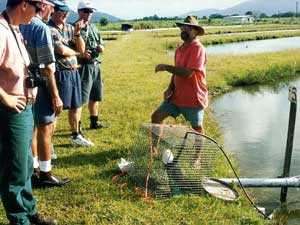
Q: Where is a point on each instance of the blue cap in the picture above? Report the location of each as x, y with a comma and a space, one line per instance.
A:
56, 2
61, 6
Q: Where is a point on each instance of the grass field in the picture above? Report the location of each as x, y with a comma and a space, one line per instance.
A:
132, 92
144, 24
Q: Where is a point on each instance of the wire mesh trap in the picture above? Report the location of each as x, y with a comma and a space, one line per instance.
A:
170, 160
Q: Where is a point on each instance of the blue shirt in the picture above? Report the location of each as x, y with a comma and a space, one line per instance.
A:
38, 41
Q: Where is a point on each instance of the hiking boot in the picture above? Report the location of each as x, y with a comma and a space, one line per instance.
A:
35, 178
97, 126
49, 180
79, 140
53, 155
37, 219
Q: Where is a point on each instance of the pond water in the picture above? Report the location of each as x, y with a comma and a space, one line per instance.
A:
255, 123
250, 47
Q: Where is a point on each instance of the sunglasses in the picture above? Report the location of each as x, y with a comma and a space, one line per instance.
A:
37, 9
87, 10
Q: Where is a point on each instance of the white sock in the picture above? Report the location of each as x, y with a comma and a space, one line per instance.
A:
45, 166
35, 162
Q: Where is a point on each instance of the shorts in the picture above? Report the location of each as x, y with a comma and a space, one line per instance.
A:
69, 88
193, 115
91, 82
43, 112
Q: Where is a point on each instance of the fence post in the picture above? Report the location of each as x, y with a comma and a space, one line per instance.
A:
290, 139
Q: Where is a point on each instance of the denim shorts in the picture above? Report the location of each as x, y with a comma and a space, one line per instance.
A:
193, 115
91, 82
43, 112
69, 87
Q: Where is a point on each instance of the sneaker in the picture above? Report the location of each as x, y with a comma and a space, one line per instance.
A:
80, 130
81, 141
37, 219
53, 155
49, 180
97, 126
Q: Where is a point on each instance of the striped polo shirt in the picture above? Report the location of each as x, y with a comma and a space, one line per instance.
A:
64, 36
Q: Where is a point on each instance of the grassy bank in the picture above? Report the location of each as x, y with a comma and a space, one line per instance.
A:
132, 92
172, 42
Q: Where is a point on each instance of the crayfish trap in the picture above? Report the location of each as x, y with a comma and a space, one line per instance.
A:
169, 160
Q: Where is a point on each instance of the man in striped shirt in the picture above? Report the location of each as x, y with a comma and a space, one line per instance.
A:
68, 44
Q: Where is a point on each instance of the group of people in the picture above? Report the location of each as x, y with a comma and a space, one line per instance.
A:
46, 65
65, 74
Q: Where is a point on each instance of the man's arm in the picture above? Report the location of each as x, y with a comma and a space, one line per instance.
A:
179, 71
79, 42
100, 48
57, 103
169, 91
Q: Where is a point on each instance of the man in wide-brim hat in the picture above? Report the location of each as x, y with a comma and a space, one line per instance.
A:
187, 92
191, 21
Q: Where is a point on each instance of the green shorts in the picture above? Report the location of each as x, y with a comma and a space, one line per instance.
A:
91, 82
193, 115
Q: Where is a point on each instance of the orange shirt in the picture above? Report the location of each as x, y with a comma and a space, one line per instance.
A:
12, 63
191, 91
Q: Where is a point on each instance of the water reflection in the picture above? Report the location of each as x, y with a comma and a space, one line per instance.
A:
250, 47
255, 124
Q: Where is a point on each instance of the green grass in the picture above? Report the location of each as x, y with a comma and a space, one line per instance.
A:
265, 22
132, 92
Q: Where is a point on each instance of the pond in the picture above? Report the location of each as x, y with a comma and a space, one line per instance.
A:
250, 47
255, 122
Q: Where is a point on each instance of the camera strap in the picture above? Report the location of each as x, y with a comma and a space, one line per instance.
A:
94, 34
9, 24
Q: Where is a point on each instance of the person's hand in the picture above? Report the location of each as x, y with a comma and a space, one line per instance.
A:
86, 54
57, 105
160, 67
168, 94
78, 26
17, 103
100, 48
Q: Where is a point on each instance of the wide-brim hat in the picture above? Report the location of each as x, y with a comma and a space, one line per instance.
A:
192, 21
86, 4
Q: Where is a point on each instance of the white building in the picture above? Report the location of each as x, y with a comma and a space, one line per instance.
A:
242, 19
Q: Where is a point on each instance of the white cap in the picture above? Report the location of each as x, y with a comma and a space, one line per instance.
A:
86, 4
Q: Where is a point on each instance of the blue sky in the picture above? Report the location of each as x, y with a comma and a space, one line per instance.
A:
132, 9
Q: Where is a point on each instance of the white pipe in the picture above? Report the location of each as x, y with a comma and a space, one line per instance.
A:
265, 182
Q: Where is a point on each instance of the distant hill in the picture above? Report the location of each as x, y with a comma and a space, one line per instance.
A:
262, 6
73, 15
95, 18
